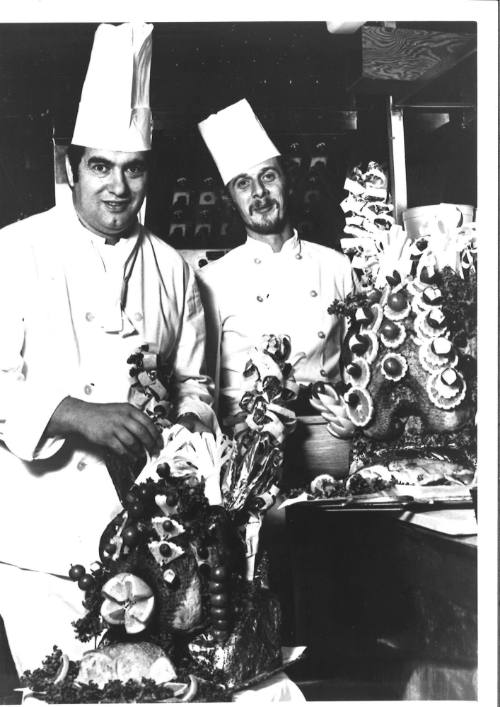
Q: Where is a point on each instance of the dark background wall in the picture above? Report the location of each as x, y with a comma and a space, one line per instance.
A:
299, 79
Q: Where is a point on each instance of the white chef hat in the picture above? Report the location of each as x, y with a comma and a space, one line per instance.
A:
236, 139
114, 112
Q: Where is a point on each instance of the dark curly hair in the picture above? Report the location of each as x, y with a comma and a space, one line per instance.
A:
75, 154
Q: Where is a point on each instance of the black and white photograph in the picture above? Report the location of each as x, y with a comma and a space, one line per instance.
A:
248, 360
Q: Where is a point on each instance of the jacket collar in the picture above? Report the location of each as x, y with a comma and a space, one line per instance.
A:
257, 248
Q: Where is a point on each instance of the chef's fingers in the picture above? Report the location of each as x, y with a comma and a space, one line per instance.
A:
125, 444
144, 430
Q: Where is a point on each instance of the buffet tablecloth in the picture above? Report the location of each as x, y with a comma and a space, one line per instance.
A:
278, 688
451, 521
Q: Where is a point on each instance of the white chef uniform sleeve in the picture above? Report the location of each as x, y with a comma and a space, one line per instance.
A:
27, 401
213, 328
193, 387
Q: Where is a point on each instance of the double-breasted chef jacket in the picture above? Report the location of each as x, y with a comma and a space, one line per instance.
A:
63, 333
253, 291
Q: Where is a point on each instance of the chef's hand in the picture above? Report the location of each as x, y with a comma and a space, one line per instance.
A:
193, 423
118, 427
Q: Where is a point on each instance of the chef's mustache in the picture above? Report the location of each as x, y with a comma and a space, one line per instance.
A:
262, 204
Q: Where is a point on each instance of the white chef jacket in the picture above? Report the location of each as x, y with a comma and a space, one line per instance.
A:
63, 333
252, 291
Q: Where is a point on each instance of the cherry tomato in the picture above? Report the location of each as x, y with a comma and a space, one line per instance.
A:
218, 600
392, 366
86, 582
397, 301
136, 510
163, 470
389, 330
221, 624
76, 572
130, 535
218, 612
219, 572
216, 587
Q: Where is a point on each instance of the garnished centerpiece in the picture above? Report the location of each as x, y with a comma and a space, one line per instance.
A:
409, 355
178, 607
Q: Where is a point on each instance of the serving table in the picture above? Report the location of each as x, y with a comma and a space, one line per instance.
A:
397, 588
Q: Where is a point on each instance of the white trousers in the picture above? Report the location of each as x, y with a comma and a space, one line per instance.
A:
37, 610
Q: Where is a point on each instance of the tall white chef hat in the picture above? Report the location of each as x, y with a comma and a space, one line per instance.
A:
236, 139
114, 112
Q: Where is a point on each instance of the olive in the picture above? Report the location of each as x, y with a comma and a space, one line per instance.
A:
168, 526
172, 499
352, 399
204, 569
360, 345
76, 572
393, 279
165, 550
354, 370
427, 276
203, 552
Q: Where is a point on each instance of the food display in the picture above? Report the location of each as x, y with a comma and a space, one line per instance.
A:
408, 384
178, 607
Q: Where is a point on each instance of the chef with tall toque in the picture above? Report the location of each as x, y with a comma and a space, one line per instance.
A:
276, 282
83, 287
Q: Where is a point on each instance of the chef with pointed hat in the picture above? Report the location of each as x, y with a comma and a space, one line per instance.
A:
275, 283
83, 287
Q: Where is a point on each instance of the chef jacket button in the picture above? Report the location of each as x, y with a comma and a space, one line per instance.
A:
314, 293
321, 334
322, 372
138, 317
81, 465
257, 261
89, 316
87, 390
298, 256
259, 298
